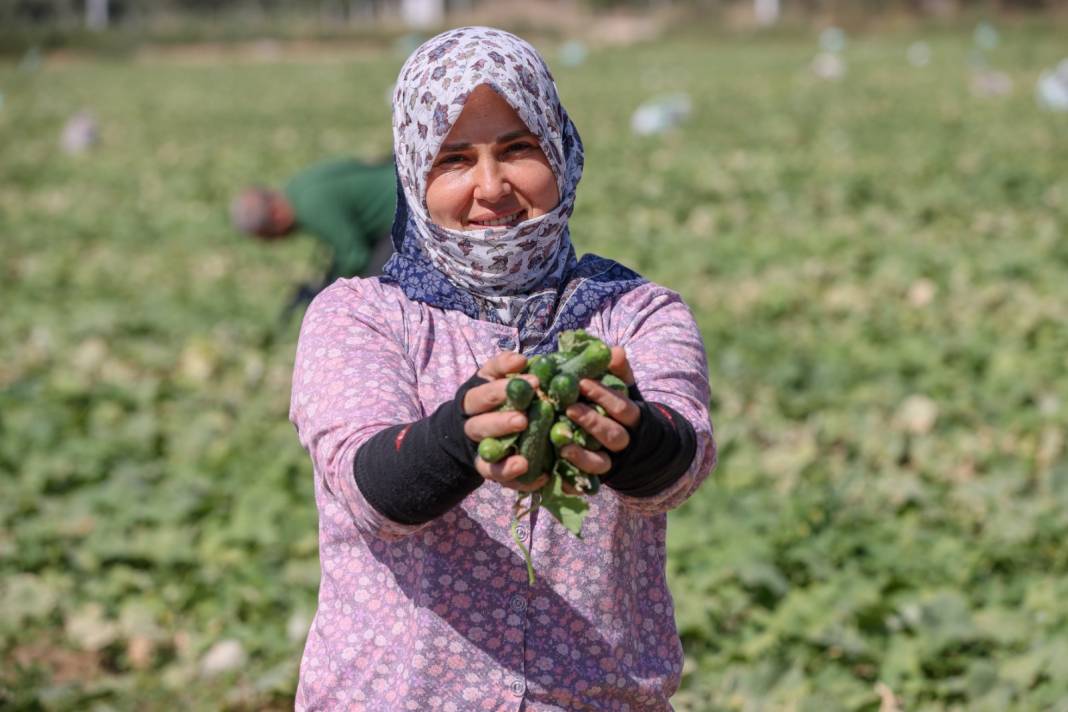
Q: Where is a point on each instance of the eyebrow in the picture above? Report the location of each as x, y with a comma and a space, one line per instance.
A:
503, 138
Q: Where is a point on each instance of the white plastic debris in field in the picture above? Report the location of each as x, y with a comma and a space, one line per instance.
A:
225, 656
919, 54
80, 133
661, 114
572, 53
1051, 91
828, 66
986, 37
833, 40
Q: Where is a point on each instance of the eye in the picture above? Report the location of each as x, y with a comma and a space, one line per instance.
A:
519, 147
450, 159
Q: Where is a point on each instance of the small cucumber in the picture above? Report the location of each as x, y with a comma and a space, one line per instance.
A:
561, 434
519, 393
564, 389
534, 441
592, 362
614, 382
559, 358
492, 450
542, 367
496, 449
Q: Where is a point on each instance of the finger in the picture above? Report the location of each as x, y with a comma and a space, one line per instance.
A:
595, 463
503, 471
532, 487
620, 366
506, 471
502, 364
490, 396
618, 406
607, 431
494, 425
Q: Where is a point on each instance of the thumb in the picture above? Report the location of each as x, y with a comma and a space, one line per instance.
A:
619, 366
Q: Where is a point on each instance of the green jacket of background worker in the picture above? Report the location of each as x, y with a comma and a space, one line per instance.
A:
346, 204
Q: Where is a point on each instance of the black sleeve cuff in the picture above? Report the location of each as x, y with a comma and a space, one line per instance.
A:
416, 472
661, 450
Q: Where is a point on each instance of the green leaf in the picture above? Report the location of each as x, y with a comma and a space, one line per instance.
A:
568, 509
574, 340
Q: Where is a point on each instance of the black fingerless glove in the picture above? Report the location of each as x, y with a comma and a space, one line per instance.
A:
416, 472
661, 450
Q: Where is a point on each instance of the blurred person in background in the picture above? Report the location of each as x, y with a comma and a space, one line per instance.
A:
346, 204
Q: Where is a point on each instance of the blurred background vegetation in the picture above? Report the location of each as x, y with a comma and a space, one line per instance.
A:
865, 204
120, 26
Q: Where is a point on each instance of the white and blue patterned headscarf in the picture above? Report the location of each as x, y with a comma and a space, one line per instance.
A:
524, 276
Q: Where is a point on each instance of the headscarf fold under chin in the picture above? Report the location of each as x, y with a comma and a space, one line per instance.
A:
525, 276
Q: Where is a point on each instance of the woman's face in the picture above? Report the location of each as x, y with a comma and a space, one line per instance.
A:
490, 170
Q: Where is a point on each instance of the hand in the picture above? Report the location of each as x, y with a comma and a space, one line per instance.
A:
621, 414
485, 421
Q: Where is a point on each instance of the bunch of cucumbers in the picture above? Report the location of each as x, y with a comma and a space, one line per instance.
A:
580, 355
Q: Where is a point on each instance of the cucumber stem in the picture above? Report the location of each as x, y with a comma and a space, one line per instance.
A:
517, 513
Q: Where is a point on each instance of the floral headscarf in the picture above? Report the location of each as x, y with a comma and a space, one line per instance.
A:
522, 275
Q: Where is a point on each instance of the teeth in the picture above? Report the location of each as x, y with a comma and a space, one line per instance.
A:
500, 221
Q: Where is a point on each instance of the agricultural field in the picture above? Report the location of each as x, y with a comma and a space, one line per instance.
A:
878, 265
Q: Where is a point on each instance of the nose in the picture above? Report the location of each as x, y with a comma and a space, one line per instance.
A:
490, 182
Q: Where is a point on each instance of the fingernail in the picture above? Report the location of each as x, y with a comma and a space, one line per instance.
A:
518, 421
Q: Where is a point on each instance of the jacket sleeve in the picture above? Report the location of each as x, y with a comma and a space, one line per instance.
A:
352, 378
667, 354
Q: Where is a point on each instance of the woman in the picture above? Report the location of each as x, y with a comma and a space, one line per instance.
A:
424, 601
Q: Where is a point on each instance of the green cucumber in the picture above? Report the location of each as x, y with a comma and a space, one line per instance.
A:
519, 393
559, 358
542, 367
534, 441
614, 382
492, 450
592, 361
496, 449
561, 434
564, 389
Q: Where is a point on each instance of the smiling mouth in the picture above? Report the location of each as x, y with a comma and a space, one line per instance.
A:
510, 220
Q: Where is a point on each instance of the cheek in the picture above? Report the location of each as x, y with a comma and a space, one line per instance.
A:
446, 198
541, 187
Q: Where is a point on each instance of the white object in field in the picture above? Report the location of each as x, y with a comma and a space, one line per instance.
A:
572, 53
80, 133
766, 11
833, 40
828, 66
986, 37
919, 54
1051, 91
661, 114
96, 14
423, 14
225, 656
989, 83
